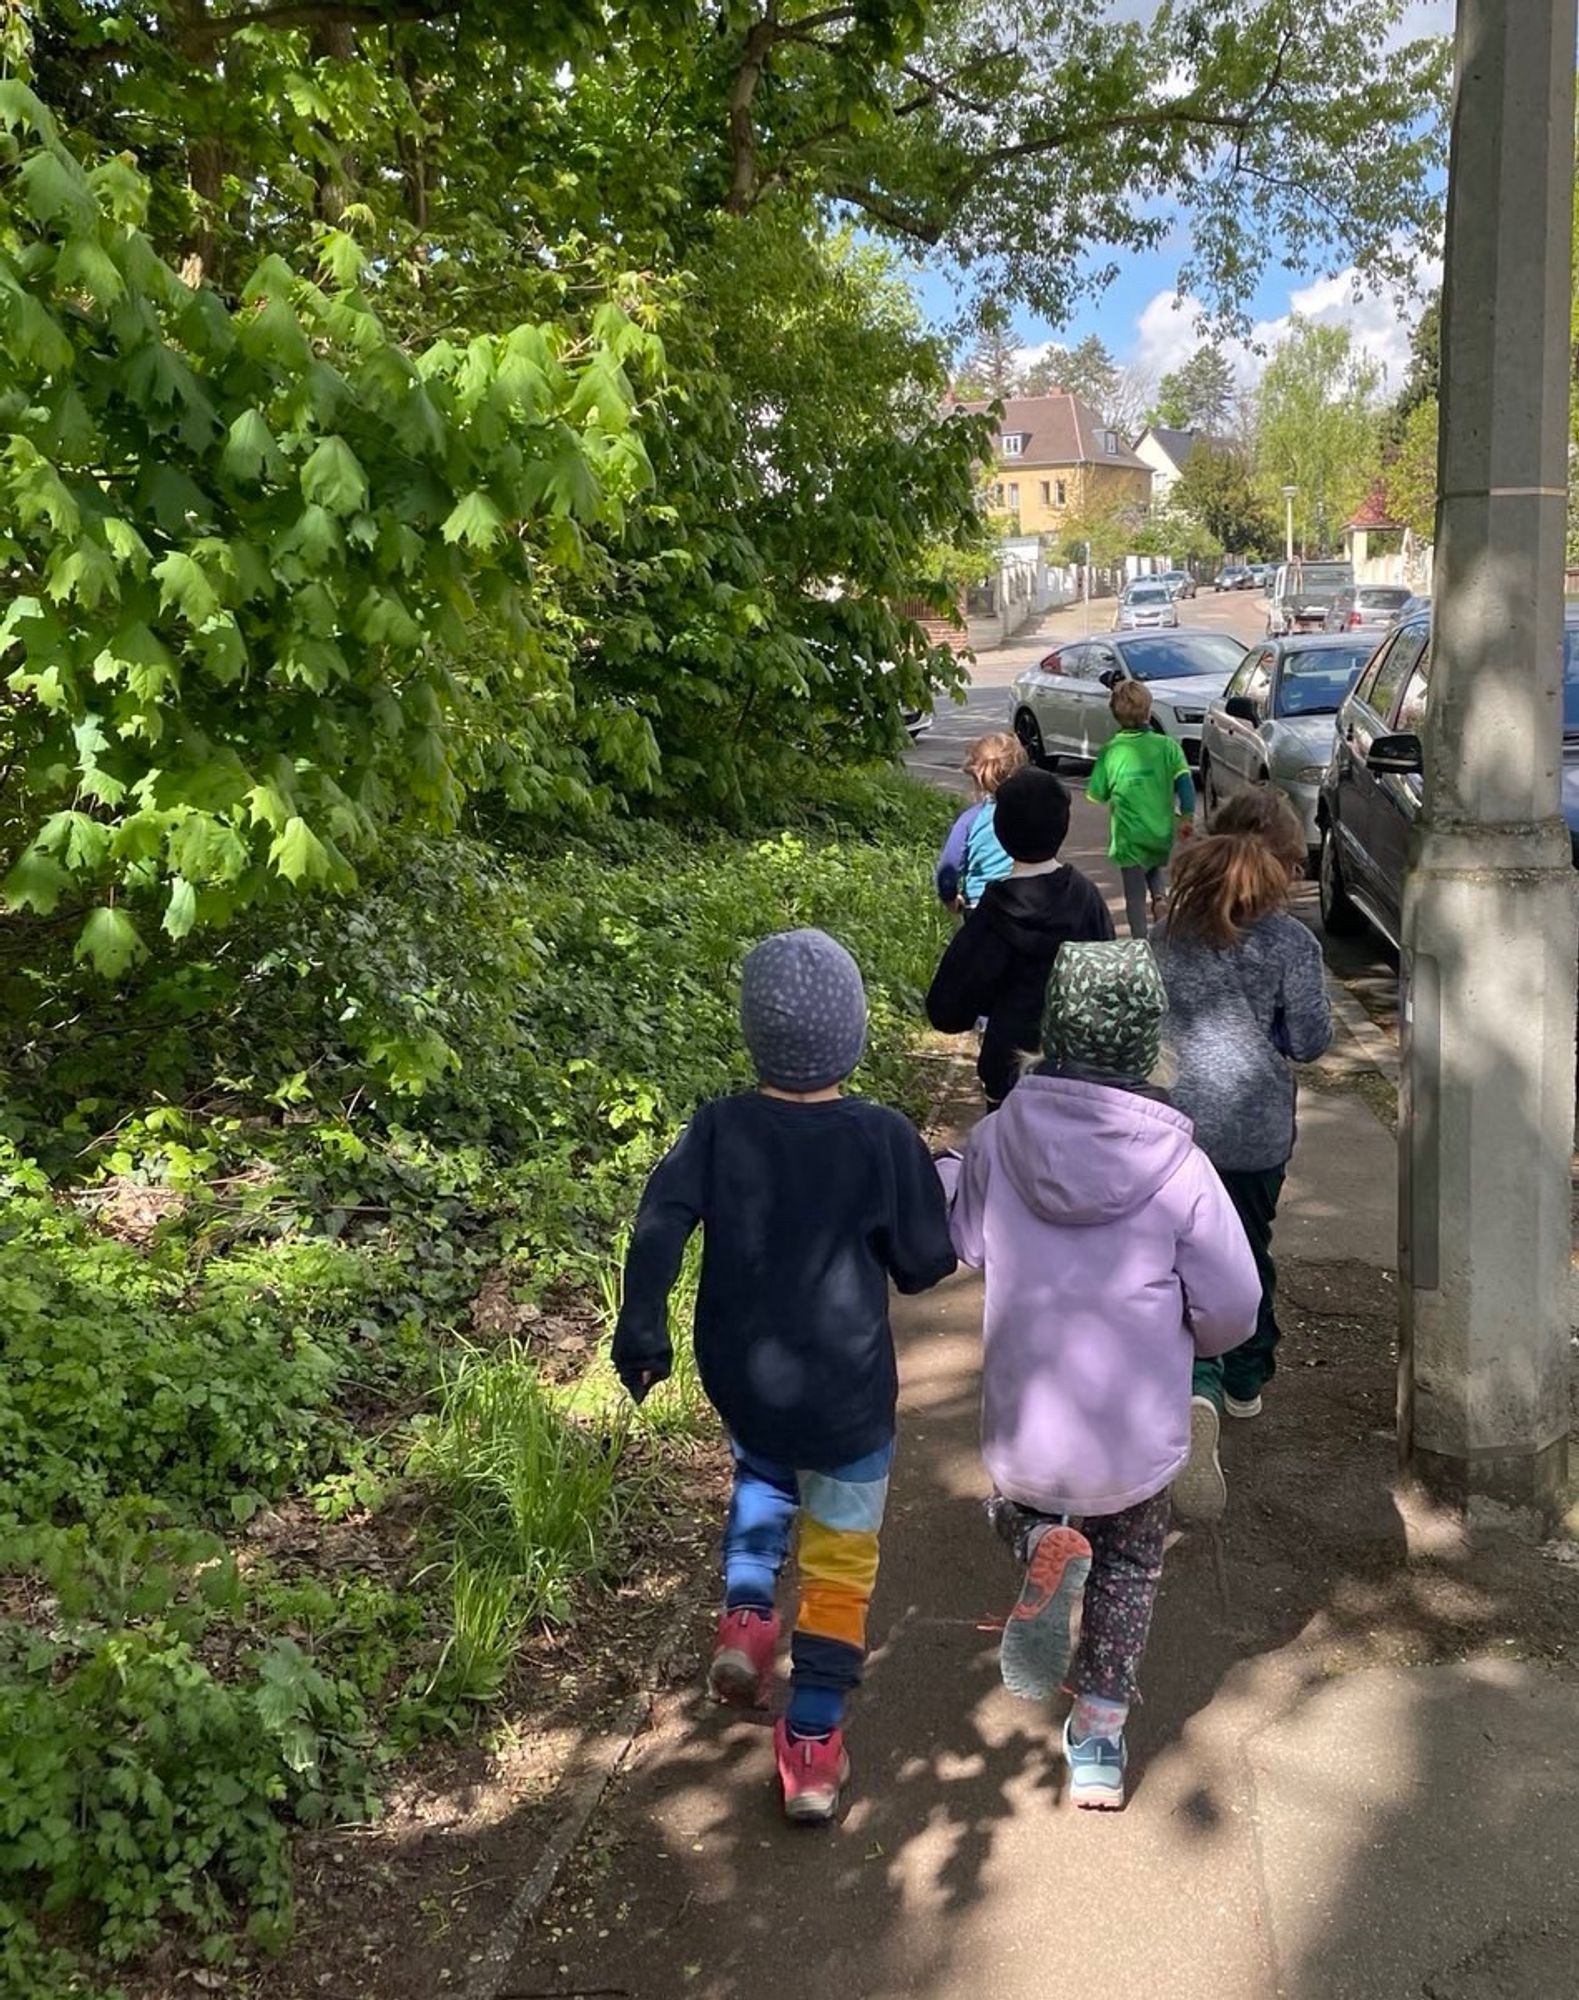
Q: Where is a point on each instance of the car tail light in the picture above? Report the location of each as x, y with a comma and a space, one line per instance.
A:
1354, 620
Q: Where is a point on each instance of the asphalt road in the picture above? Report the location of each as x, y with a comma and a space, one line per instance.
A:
1365, 965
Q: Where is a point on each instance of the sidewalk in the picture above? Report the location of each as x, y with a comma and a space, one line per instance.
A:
1357, 1778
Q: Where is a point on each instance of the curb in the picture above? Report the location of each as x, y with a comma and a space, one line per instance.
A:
601, 1756
1375, 1050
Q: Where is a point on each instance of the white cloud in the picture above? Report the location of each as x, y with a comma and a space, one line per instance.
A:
1169, 329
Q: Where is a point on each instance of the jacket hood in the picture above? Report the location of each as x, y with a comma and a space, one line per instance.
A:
1085, 1153
1033, 912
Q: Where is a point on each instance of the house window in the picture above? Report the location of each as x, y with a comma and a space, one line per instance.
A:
1014, 497
997, 493
1047, 493
1060, 493
1112, 444
1013, 443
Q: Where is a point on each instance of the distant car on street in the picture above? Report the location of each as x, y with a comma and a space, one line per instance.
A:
1146, 602
1273, 723
1059, 707
1179, 581
1234, 576
1372, 792
1302, 593
1358, 605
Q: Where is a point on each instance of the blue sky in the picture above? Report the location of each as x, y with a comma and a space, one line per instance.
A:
1136, 314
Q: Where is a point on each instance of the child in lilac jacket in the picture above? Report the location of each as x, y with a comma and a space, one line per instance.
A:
1113, 1258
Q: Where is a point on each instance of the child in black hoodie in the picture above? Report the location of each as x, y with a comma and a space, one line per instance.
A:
998, 962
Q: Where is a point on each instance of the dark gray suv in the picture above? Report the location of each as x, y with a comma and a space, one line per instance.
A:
1372, 793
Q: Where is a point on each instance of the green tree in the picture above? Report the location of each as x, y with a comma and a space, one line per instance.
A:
1218, 492
1317, 429
1410, 480
991, 370
1087, 370
1198, 396
250, 549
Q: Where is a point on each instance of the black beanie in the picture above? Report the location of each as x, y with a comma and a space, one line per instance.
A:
1030, 815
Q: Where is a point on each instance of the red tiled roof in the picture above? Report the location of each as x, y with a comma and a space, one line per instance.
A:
1373, 513
1059, 430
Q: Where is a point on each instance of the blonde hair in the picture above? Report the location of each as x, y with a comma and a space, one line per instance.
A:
1241, 871
991, 759
1130, 702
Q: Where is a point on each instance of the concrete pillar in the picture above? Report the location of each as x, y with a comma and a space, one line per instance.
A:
1491, 930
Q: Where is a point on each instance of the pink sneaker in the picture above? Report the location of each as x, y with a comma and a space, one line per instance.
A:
743, 1653
813, 1771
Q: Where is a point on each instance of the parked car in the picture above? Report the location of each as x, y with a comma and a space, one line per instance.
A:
1179, 581
1358, 605
1059, 707
1372, 792
1410, 606
1302, 593
1234, 576
1146, 602
1275, 719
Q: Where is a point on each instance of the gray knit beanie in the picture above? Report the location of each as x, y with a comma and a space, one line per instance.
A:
802, 1010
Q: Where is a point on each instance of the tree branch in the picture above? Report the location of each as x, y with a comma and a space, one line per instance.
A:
319, 14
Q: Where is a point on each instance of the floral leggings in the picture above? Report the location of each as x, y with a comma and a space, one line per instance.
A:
1121, 1591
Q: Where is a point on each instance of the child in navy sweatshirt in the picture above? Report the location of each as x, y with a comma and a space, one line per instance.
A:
809, 1202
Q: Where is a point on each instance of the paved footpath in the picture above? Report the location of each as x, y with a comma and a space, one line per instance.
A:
1352, 1776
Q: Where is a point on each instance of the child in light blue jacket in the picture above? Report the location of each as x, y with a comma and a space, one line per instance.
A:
972, 855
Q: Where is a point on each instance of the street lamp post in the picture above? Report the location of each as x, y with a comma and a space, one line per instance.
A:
1288, 522
1490, 928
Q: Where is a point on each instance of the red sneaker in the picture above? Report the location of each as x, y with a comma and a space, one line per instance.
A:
743, 1652
813, 1771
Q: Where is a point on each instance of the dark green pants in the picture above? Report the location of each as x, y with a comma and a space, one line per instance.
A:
1245, 1370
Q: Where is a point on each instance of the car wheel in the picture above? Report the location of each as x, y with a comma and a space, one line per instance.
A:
1029, 731
1339, 917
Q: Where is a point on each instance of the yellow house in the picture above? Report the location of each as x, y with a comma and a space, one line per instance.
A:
1056, 462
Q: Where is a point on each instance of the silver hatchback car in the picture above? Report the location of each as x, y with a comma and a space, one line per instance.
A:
1274, 722
1146, 604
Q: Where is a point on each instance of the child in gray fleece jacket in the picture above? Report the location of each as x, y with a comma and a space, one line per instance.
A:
1247, 999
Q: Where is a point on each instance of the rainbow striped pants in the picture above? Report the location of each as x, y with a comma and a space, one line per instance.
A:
839, 1515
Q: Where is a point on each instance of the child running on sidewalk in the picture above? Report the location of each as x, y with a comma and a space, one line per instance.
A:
1143, 777
1247, 999
973, 855
809, 1202
1112, 1258
995, 968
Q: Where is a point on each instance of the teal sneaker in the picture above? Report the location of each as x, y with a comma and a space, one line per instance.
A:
1096, 1771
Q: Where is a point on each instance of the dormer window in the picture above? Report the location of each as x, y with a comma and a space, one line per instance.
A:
1112, 443
1012, 443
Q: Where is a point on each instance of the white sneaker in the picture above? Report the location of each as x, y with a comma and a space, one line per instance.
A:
1249, 1407
1200, 1492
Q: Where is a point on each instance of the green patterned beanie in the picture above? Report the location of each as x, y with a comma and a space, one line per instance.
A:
1105, 1004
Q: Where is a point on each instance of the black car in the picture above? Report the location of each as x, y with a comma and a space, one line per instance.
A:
1372, 792
1234, 577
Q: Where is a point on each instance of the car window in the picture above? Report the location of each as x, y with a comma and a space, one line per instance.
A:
1315, 680
1365, 688
1060, 662
1161, 656
1237, 684
1259, 685
1396, 669
1411, 710
1381, 597
1099, 660
1147, 593
1322, 576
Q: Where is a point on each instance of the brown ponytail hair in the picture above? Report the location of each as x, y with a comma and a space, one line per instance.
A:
1240, 872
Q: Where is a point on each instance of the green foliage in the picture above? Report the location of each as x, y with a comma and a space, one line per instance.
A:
1411, 472
1218, 491
1199, 395
347, 1118
1317, 429
246, 548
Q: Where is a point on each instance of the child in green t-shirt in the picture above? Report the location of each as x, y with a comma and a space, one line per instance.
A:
1144, 781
